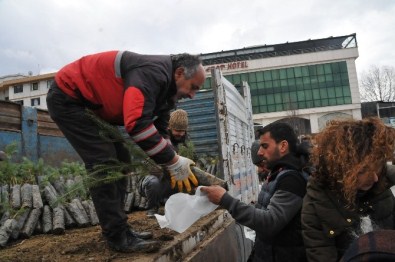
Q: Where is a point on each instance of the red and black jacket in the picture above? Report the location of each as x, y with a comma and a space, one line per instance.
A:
129, 89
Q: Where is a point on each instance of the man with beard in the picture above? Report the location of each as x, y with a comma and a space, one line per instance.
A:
134, 90
156, 187
276, 216
259, 162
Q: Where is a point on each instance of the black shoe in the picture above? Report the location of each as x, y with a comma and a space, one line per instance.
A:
151, 212
128, 243
142, 235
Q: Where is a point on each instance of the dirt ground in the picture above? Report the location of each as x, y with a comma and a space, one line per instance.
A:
85, 244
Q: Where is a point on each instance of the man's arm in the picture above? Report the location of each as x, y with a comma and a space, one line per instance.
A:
283, 207
162, 123
140, 97
268, 222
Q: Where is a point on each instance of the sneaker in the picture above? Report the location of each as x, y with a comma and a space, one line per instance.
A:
128, 243
151, 212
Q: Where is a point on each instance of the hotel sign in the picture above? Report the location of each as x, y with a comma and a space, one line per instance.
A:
228, 66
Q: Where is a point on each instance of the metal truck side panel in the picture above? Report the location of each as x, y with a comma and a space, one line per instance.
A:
202, 127
236, 133
227, 244
221, 126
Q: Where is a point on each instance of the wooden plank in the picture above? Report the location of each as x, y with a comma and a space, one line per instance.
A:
43, 116
10, 113
10, 123
50, 132
10, 119
46, 126
10, 109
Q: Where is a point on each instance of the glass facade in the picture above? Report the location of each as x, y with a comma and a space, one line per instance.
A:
296, 87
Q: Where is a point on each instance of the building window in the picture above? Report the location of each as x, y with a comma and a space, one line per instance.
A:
303, 86
18, 89
35, 101
34, 86
49, 83
19, 102
296, 87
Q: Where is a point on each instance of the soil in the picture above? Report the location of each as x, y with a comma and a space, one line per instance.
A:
85, 244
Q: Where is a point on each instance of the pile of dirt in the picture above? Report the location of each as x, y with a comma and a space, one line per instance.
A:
84, 244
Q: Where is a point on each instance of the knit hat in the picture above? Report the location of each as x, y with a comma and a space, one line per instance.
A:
178, 120
254, 153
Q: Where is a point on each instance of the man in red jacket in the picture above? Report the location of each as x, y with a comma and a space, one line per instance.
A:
134, 90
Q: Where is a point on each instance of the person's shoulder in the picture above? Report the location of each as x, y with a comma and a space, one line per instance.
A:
292, 174
292, 181
391, 173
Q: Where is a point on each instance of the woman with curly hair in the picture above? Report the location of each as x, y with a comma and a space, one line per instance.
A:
349, 192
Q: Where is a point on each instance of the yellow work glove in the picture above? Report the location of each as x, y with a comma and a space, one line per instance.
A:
180, 173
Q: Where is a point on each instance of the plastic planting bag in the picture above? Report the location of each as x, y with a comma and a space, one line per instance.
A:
182, 210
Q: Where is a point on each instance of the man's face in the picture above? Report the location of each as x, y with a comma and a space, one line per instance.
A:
187, 88
178, 135
269, 149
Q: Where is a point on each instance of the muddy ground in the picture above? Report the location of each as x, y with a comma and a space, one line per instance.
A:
87, 244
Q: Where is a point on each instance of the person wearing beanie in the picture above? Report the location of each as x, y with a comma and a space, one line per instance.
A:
178, 120
156, 187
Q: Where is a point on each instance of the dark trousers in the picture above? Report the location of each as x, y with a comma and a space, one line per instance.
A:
84, 135
155, 189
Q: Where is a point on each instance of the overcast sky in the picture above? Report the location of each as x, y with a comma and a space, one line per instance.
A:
43, 35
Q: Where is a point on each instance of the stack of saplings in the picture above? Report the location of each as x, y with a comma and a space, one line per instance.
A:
38, 199
66, 202
21, 203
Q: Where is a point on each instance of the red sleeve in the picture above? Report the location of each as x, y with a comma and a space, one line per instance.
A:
132, 107
139, 124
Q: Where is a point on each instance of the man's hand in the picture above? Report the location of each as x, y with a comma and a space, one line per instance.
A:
181, 173
214, 193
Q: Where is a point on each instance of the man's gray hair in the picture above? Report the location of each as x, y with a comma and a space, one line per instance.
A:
189, 62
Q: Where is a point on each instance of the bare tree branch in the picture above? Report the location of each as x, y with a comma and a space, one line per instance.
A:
378, 84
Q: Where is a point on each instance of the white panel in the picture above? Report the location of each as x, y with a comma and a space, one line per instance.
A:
235, 131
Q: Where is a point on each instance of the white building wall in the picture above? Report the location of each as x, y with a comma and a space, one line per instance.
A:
4, 92
318, 115
348, 54
353, 78
27, 95
315, 115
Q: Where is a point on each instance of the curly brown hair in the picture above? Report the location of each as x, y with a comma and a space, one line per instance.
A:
346, 148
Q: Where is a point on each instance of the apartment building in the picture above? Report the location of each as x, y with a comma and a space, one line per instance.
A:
27, 90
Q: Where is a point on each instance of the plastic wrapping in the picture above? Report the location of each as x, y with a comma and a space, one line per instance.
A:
182, 210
